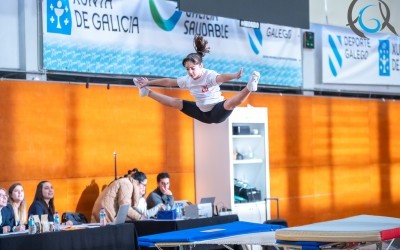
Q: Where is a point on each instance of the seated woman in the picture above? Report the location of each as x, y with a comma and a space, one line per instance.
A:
17, 201
6, 213
142, 206
124, 190
43, 202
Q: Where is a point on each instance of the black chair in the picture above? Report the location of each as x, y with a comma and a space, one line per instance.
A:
276, 221
75, 217
280, 222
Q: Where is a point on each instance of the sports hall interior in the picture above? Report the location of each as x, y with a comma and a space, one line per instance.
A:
330, 156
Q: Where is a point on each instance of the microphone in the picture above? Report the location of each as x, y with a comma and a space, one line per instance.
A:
115, 165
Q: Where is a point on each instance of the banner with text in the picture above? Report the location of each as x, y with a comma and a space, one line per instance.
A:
151, 37
351, 59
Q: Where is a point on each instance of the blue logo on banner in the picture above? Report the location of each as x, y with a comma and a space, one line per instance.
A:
336, 55
384, 58
58, 17
256, 43
380, 24
165, 24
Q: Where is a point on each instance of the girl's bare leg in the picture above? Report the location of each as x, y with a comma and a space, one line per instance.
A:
166, 100
238, 99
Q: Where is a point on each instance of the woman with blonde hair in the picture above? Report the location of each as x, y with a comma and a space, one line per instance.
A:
17, 201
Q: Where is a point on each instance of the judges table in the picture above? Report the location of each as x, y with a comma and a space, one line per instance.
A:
117, 237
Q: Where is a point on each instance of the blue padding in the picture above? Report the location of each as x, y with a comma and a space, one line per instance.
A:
209, 233
146, 244
305, 245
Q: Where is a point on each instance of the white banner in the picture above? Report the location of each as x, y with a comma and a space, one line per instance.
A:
350, 59
151, 37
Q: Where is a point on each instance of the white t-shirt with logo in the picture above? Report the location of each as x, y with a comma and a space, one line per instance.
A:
205, 89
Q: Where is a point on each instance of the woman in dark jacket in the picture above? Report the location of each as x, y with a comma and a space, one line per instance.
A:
43, 203
6, 213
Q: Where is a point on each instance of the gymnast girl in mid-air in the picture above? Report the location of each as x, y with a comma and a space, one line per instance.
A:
209, 106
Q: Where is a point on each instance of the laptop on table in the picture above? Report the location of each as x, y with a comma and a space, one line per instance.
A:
122, 214
119, 219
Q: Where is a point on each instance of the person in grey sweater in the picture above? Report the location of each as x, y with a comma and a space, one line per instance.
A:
162, 194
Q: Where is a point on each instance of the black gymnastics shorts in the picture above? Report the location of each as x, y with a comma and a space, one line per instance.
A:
217, 115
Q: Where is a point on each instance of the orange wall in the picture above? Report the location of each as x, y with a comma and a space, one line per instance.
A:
329, 157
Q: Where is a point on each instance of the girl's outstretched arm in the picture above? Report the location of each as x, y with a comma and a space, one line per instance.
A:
164, 82
227, 77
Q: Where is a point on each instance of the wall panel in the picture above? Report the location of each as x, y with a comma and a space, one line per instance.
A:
329, 157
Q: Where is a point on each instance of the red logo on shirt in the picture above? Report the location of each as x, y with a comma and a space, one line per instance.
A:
204, 89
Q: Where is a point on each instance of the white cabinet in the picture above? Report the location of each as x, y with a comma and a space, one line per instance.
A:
233, 155
251, 211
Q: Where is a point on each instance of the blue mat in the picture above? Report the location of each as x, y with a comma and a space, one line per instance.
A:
207, 233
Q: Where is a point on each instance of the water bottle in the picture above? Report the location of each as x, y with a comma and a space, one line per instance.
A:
56, 222
176, 207
31, 225
179, 211
103, 217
